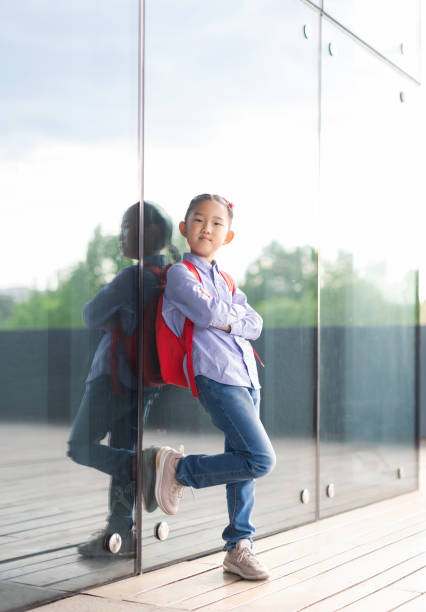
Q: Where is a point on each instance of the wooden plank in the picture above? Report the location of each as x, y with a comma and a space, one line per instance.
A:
153, 580
303, 534
70, 514
418, 604
86, 603
416, 582
369, 586
321, 586
385, 599
318, 580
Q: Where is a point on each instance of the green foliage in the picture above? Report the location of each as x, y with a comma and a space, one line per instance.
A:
7, 304
351, 300
61, 307
283, 287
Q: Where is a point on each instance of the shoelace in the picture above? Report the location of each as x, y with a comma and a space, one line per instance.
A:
178, 488
247, 553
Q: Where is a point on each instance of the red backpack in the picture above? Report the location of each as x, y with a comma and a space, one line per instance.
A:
171, 350
151, 374
163, 352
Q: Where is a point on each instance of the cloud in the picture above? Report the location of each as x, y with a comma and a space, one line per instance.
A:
54, 197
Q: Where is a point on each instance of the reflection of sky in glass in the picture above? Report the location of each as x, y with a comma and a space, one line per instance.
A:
385, 25
68, 119
62, 61
234, 111
231, 107
372, 186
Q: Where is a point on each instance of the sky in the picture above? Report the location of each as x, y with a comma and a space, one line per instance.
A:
228, 110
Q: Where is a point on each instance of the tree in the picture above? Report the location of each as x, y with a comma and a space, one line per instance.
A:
282, 285
7, 304
62, 307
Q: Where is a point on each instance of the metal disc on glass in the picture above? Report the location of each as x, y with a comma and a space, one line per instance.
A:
113, 543
331, 490
161, 530
305, 496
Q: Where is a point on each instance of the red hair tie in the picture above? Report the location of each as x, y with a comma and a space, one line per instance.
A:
228, 202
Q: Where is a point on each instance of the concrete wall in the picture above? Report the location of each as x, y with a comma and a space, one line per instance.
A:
43, 376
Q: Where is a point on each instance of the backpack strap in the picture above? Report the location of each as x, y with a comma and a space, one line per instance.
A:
188, 335
231, 286
229, 281
155, 269
188, 328
192, 269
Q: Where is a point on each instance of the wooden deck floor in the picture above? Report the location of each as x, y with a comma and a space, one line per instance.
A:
371, 559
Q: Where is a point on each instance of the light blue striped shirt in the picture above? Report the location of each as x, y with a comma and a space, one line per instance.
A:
224, 357
120, 297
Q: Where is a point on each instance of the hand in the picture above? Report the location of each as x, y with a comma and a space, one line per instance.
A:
226, 329
108, 325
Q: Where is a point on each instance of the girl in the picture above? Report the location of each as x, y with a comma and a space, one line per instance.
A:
226, 377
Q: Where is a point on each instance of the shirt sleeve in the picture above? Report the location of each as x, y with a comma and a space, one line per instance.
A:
249, 326
117, 296
187, 294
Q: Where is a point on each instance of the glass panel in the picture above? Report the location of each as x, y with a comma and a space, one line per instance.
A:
368, 300
68, 168
392, 27
232, 111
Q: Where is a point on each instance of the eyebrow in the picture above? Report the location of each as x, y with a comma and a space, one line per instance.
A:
214, 217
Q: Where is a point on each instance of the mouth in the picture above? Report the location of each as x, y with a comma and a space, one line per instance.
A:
205, 238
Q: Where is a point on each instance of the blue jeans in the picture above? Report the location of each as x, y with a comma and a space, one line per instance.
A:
101, 413
248, 454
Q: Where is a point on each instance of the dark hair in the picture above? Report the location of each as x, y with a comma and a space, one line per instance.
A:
212, 197
153, 215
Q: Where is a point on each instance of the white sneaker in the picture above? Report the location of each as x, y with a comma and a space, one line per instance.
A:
168, 491
242, 561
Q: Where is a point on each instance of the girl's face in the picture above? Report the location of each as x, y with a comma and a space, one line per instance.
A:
207, 229
129, 243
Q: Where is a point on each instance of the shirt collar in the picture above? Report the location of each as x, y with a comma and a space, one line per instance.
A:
201, 263
159, 260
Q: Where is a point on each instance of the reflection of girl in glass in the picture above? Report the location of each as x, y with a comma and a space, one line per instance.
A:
227, 381
109, 404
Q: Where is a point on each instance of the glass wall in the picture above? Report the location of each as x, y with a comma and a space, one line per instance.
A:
229, 110
68, 172
253, 117
368, 287
391, 27
308, 121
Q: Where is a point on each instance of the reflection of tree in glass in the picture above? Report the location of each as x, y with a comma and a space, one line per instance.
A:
7, 304
349, 298
282, 286
61, 307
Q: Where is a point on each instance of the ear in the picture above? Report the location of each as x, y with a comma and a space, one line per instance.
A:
182, 228
229, 237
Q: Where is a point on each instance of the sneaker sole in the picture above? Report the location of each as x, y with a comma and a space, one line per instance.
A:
149, 476
159, 462
232, 569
